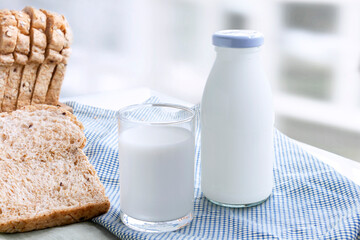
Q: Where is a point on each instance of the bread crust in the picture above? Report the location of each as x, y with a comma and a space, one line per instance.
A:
56, 218
64, 106
60, 109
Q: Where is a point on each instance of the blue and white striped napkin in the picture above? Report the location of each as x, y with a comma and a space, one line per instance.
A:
310, 200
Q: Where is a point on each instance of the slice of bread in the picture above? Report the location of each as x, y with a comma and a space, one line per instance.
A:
37, 34
68, 34
55, 30
43, 78
27, 84
8, 32
4, 74
8, 36
46, 180
36, 56
20, 56
12, 88
56, 41
53, 93
23, 38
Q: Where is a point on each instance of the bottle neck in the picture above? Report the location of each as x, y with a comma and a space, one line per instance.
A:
237, 53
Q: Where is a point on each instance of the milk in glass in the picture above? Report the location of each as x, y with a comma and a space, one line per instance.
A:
156, 172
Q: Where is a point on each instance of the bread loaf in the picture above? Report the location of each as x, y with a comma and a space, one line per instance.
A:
46, 180
34, 50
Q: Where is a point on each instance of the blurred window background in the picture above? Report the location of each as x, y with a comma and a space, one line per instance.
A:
311, 54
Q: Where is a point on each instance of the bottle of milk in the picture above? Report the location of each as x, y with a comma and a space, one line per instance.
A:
237, 123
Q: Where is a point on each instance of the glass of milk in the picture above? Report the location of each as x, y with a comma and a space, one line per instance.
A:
156, 155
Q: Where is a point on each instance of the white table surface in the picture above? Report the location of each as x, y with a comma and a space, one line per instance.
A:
118, 99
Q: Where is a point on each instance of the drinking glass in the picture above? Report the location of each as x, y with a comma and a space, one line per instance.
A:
156, 155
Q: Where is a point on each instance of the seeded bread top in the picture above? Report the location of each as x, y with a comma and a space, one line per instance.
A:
22, 48
38, 40
23, 21
8, 32
55, 28
38, 18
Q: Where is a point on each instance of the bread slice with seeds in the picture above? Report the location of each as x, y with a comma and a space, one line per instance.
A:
36, 56
56, 41
8, 36
12, 87
53, 93
46, 178
55, 30
8, 32
37, 34
22, 50
27, 84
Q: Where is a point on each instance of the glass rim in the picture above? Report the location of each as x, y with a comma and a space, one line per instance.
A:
121, 117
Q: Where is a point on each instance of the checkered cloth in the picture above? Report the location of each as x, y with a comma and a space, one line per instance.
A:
310, 200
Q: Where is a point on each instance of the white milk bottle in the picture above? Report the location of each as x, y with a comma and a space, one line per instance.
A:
237, 123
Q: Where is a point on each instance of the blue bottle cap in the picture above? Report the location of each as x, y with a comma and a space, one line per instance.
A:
238, 38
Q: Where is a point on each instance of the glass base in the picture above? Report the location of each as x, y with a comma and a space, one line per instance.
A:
239, 205
155, 227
